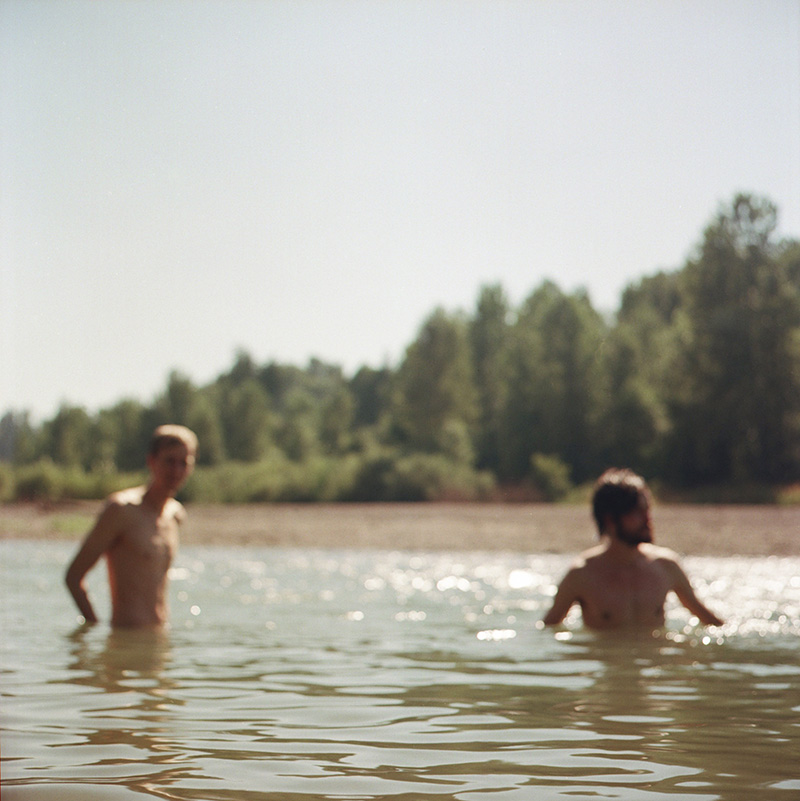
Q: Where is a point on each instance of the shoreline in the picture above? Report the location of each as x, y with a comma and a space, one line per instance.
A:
690, 530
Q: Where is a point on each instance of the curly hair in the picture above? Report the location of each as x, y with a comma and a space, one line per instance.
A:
617, 492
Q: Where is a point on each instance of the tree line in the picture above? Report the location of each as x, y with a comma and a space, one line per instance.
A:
694, 382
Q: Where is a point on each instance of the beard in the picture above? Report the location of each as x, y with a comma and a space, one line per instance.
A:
635, 536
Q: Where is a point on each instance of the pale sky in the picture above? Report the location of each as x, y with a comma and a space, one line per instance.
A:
180, 179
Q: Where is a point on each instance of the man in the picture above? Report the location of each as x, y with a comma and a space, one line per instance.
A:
137, 531
624, 581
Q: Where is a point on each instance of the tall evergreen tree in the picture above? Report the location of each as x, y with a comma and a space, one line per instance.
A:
738, 409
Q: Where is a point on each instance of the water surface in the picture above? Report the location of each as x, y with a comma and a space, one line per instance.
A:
341, 674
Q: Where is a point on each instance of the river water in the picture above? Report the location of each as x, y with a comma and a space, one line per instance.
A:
345, 674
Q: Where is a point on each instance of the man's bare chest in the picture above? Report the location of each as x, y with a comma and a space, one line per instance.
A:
147, 538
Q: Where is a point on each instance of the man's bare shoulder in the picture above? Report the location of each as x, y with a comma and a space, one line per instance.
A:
657, 553
116, 507
132, 501
175, 510
123, 509
127, 497
583, 567
589, 557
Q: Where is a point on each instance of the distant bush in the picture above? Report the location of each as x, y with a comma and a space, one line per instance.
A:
433, 477
272, 480
789, 496
233, 482
354, 477
551, 476
8, 483
41, 481
45, 481
419, 477
380, 475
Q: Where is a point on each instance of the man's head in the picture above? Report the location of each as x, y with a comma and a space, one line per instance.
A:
167, 435
621, 506
171, 456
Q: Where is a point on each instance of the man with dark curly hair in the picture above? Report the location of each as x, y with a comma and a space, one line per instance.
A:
624, 581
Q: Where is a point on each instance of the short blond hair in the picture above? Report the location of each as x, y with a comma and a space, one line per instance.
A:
171, 435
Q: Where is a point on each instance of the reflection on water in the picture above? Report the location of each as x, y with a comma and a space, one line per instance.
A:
315, 675
130, 715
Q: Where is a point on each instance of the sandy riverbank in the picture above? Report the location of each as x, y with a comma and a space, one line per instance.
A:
525, 528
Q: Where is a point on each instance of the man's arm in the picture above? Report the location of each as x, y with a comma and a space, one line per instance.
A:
682, 587
97, 542
566, 595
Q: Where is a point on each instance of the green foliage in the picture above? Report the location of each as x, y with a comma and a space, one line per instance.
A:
383, 477
46, 481
126, 425
434, 384
553, 397
67, 437
695, 383
245, 419
434, 477
42, 480
17, 438
371, 392
490, 340
551, 476
8, 483
632, 416
392, 477
736, 410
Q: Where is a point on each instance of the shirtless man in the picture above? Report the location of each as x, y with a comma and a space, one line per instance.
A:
137, 531
624, 581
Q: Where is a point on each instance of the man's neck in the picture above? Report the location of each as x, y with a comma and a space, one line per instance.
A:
156, 498
621, 551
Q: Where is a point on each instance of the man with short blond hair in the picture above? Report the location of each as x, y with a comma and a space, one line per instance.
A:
137, 532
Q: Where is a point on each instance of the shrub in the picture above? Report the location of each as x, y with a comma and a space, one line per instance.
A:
40, 481
550, 475
8, 483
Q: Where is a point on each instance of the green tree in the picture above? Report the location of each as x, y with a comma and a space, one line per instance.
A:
297, 433
553, 402
18, 438
176, 405
67, 437
126, 423
434, 384
639, 363
204, 420
737, 410
371, 390
632, 419
245, 419
244, 369
336, 418
490, 341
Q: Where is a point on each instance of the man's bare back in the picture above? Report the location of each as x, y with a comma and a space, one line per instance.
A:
624, 581
615, 593
137, 532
